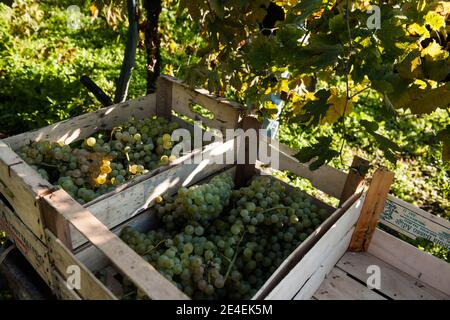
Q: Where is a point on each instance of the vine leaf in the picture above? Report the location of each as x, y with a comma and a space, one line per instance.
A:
388, 146
313, 111
321, 152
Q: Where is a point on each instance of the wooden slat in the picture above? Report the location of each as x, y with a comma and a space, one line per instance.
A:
246, 170
394, 283
414, 262
29, 245
339, 286
21, 186
415, 222
327, 263
326, 178
371, 211
226, 113
56, 224
300, 273
61, 289
90, 287
164, 97
122, 256
83, 126
355, 178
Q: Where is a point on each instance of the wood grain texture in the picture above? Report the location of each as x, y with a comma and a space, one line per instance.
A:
355, 178
394, 283
326, 178
245, 171
226, 113
414, 262
57, 224
61, 290
122, 256
83, 126
90, 287
21, 186
371, 211
164, 97
339, 286
326, 264
34, 250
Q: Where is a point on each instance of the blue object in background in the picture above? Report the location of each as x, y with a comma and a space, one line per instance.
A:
272, 126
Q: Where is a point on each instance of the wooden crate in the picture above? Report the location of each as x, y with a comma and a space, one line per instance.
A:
21, 187
341, 264
107, 254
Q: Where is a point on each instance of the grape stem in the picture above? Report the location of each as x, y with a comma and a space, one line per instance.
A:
234, 258
274, 208
48, 165
157, 245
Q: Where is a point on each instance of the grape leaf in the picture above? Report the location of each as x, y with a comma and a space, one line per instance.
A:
427, 101
307, 8
435, 20
315, 110
321, 152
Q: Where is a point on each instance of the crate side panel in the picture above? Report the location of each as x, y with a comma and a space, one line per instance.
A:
29, 245
84, 125
66, 263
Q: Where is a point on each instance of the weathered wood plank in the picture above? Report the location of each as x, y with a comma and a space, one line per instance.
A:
394, 283
355, 178
164, 97
122, 256
226, 113
326, 178
414, 262
339, 286
21, 186
90, 287
83, 126
31, 247
61, 290
371, 211
327, 263
415, 222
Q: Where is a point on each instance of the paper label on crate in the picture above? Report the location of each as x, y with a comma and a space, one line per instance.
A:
414, 222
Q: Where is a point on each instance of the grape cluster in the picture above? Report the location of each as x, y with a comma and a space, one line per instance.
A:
101, 162
200, 203
230, 253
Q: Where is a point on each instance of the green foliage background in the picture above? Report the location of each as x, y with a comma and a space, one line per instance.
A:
41, 61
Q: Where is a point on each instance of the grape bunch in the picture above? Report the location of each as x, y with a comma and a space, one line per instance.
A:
229, 253
199, 203
100, 163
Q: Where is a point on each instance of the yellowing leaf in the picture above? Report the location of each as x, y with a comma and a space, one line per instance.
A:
428, 100
283, 85
435, 51
94, 11
417, 29
339, 106
435, 21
